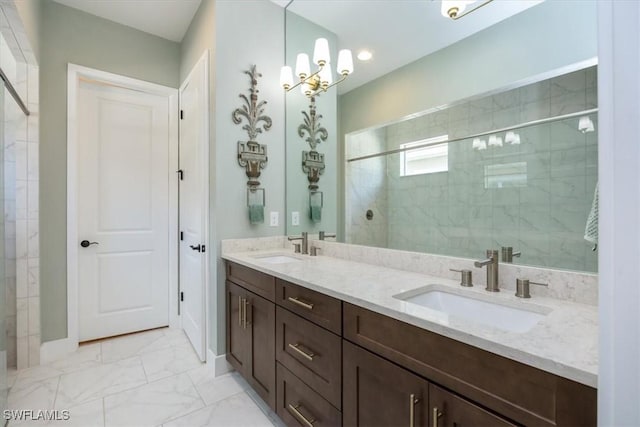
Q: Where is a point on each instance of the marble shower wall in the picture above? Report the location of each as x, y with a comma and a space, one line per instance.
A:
21, 193
459, 212
367, 181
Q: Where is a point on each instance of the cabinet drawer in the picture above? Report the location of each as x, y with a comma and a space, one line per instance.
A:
255, 281
520, 392
313, 354
314, 306
299, 406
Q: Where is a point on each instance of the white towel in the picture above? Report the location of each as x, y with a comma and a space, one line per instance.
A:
591, 230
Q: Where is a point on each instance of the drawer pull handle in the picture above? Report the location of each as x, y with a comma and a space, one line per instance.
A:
412, 410
299, 416
296, 348
244, 314
436, 414
306, 305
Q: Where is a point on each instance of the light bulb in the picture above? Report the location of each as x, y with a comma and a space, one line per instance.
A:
286, 77
321, 52
302, 66
585, 124
345, 62
495, 141
326, 77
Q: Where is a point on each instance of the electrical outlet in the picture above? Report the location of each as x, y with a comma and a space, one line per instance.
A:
274, 220
295, 218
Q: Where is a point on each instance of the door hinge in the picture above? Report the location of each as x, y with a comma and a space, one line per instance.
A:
181, 114
182, 235
203, 247
181, 296
180, 173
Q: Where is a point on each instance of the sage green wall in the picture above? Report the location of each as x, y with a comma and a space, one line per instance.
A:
253, 33
30, 12
546, 37
71, 36
248, 32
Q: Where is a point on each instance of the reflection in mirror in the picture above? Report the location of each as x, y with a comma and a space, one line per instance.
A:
312, 164
529, 188
481, 135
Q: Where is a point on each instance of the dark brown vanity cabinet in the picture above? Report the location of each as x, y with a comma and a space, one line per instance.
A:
380, 393
251, 333
318, 361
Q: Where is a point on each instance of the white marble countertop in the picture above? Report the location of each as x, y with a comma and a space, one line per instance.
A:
564, 342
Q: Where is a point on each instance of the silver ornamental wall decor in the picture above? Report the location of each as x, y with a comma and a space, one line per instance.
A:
312, 161
251, 155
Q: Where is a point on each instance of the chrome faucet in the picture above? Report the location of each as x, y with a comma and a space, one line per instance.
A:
304, 242
492, 270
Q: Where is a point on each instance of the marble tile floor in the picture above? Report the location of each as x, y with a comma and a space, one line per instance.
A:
151, 378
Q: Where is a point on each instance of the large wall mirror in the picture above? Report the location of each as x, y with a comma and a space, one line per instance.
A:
456, 136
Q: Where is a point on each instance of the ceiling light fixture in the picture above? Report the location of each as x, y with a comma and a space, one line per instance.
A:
456, 9
312, 84
364, 55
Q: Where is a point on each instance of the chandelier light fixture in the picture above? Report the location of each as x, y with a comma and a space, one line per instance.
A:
312, 84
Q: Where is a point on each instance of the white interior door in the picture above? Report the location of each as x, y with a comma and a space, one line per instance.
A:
194, 140
123, 206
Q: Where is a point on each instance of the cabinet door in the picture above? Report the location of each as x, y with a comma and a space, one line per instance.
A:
261, 320
377, 392
450, 410
238, 344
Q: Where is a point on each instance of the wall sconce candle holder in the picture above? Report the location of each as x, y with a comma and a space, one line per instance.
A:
251, 155
313, 161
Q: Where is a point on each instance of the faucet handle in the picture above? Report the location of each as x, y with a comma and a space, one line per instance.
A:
314, 250
322, 235
522, 287
296, 248
466, 277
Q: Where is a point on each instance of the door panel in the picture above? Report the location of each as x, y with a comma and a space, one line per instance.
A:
261, 316
193, 205
238, 344
379, 393
123, 206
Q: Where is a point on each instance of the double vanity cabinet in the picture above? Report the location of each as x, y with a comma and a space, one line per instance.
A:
319, 361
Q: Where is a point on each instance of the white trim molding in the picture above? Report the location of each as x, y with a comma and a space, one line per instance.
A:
75, 74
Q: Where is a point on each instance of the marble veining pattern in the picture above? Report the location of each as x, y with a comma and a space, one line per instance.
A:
563, 343
120, 391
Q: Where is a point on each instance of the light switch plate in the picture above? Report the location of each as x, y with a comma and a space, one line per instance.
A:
295, 218
274, 219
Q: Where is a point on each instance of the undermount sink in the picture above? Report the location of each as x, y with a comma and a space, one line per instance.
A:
277, 259
488, 313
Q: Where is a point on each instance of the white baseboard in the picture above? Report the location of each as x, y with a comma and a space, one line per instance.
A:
218, 363
55, 350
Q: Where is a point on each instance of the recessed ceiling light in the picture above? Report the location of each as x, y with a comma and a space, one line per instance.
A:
364, 55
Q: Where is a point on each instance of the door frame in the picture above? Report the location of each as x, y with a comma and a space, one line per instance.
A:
203, 61
75, 73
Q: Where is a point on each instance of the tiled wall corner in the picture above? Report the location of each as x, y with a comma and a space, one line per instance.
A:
22, 206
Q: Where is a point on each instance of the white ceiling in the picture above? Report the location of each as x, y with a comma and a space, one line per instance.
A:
398, 32
168, 19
